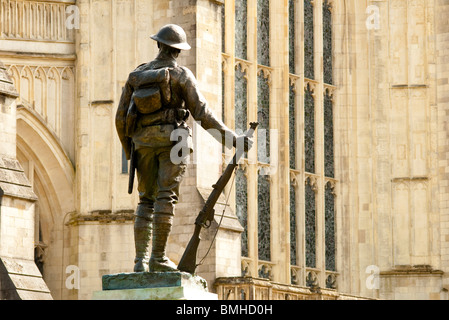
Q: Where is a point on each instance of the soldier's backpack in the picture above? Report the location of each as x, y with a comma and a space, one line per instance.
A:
151, 93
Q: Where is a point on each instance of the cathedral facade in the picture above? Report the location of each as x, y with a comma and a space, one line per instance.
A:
345, 194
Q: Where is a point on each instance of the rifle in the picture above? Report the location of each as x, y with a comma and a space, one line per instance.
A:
132, 169
206, 215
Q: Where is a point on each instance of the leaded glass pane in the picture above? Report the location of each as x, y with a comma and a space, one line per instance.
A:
223, 29
241, 206
263, 117
263, 227
292, 127
310, 225
309, 131
241, 101
328, 137
329, 226
291, 35
293, 246
263, 32
241, 21
309, 69
327, 43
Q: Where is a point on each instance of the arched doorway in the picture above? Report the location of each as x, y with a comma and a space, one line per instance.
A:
52, 175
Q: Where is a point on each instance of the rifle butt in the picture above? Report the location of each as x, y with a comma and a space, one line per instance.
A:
188, 260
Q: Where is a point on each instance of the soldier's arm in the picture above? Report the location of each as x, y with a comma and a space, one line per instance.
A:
197, 105
120, 118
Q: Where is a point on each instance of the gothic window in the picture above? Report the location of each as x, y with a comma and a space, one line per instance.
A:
263, 117
309, 47
310, 224
291, 36
223, 28
293, 245
328, 136
292, 127
263, 193
241, 12
327, 42
263, 32
309, 137
241, 192
329, 227
263, 156
241, 100
241, 120
309, 130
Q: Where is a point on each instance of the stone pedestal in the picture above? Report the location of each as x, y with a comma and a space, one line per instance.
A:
154, 286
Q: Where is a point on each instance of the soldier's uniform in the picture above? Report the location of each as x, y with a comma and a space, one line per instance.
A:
158, 98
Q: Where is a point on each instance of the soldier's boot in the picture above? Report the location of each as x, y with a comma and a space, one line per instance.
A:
142, 237
159, 262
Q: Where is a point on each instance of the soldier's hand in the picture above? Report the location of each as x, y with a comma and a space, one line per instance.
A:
243, 142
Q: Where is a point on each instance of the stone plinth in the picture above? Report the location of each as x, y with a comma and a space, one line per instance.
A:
21, 280
153, 286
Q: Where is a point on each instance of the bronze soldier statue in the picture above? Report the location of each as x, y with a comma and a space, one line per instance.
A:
158, 98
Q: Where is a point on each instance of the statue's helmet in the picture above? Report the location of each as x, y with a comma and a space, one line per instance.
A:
172, 35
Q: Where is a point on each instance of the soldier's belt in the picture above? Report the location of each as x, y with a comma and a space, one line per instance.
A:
168, 116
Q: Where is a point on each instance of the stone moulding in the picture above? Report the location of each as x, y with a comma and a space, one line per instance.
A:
6, 85
404, 270
13, 180
103, 216
249, 288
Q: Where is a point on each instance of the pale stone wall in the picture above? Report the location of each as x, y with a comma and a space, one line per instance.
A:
391, 141
442, 102
17, 228
100, 248
388, 144
8, 127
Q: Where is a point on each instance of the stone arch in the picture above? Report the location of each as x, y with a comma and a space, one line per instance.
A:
53, 177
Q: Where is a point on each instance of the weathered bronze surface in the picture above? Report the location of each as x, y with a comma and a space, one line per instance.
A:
157, 99
140, 280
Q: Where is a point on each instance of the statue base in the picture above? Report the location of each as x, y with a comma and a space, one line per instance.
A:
153, 286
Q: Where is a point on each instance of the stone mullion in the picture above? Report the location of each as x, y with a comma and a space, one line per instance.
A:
279, 157
116, 148
300, 190
229, 79
253, 250
319, 139
83, 97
